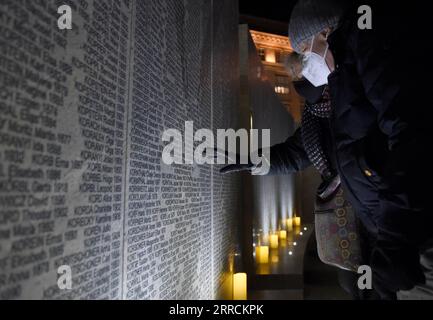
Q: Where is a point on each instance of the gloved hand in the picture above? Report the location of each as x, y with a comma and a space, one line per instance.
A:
233, 168
395, 268
328, 186
237, 167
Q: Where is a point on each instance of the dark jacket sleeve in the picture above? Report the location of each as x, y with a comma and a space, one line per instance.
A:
386, 70
289, 157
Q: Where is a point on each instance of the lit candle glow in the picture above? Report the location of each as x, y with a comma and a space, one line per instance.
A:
240, 286
289, 224
262, 254
273, 241
283, 234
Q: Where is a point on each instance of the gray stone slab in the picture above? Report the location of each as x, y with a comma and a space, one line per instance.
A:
81, 179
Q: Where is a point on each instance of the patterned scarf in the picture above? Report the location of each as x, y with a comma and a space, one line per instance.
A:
312, 134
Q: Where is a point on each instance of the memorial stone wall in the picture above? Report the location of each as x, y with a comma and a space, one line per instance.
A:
82, 113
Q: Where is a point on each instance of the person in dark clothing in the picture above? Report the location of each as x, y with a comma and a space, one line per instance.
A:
379, 127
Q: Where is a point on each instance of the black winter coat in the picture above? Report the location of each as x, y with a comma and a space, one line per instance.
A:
379, 136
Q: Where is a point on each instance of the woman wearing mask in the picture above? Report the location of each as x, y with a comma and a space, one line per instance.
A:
379, 129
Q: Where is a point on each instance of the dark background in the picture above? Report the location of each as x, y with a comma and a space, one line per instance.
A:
271, 9
270, 16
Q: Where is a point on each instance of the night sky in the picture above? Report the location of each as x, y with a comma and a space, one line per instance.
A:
270, 9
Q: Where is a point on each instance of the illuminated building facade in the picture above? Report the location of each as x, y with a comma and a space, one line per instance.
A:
273, 49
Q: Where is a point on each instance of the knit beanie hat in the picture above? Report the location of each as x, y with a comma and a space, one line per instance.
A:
309, 17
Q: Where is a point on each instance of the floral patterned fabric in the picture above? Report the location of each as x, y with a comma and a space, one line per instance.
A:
336, 233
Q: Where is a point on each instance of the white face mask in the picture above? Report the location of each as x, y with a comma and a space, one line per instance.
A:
316, 70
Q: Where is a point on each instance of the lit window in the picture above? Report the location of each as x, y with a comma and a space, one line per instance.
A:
282, 90
282, 85
270, 56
